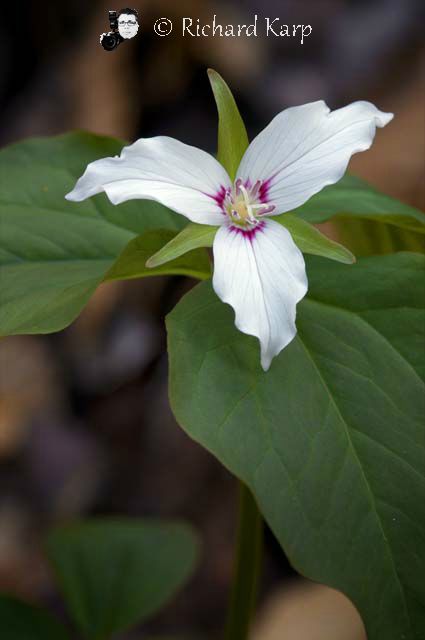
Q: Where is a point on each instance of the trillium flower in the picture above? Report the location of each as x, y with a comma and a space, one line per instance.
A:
258, 269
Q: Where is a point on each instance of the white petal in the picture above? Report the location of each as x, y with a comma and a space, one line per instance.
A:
305, 148
181, 177
262, 276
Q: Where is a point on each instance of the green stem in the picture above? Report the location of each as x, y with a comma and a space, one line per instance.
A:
247, 567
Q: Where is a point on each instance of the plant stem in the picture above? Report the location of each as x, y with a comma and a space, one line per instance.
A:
247, 567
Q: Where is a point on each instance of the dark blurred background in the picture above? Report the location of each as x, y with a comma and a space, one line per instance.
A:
85, 424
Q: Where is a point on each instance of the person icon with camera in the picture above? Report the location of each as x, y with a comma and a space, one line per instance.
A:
124, 25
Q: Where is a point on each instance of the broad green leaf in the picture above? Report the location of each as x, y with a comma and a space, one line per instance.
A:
367, 237
306, 237
232, 135
131, 263
353, 198
115, 573
21, 621
331, 439
192, 237
387, 292
54, 253
311, 240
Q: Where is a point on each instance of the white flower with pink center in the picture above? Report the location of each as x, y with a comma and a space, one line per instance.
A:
258, 269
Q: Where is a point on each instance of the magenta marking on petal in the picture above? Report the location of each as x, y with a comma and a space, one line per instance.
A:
249, 234
219, 197
263, 193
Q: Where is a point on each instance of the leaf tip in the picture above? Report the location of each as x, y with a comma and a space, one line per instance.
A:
151, 262
350, 257
215, 79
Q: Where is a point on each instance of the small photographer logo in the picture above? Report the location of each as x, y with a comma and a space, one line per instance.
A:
123, 24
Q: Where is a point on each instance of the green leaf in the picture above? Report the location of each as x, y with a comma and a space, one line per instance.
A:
387, 292
232, 135
367, 237
192, 237
21, 621
131, 263
54, 253
115, 573
330, 439
353, 198
310, 240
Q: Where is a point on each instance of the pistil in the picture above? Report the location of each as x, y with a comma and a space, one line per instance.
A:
242, 204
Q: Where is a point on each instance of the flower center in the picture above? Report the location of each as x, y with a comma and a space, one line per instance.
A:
243, 206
